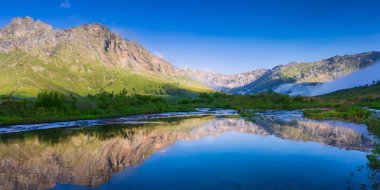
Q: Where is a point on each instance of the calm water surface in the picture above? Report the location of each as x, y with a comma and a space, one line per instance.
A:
280, 151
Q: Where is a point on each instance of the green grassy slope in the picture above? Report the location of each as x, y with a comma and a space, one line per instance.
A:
28, 75
365, 96
357, 92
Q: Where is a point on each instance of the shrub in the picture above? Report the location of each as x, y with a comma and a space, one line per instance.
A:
50, 99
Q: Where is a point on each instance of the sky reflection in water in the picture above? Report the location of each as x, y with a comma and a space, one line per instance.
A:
194, 153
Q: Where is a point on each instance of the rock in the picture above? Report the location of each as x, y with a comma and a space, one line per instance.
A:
91, 41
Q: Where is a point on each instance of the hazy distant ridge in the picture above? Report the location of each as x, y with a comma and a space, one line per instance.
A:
310, 72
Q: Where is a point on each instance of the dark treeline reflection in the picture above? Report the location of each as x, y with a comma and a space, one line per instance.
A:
89, 156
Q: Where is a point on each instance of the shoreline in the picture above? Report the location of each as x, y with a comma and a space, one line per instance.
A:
126, 119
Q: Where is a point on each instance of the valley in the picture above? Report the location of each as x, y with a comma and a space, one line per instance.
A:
87, 72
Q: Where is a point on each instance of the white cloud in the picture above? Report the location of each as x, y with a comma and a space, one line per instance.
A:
357, 78
66, 4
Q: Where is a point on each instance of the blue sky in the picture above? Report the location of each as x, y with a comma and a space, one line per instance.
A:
227, 36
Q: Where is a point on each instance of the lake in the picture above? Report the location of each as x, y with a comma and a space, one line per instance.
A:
278, 150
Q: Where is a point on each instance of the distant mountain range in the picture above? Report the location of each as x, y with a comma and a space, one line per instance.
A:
87, 58
296, 74
309, 72
224, 82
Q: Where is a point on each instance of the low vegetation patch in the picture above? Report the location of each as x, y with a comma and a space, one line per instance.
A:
55, 106
348, 113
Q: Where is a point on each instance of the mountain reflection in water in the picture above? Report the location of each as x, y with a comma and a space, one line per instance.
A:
90, 156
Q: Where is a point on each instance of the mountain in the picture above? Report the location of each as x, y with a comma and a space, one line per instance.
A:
87, 58
81, 60
223, 82
309, 73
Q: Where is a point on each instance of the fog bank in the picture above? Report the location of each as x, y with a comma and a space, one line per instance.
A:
357, 78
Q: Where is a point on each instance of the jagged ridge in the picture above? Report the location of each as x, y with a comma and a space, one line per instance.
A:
33, 56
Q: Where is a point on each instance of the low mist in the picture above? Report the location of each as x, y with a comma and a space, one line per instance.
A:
357, 78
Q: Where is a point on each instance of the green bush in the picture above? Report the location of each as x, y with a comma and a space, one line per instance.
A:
373, 125
49, 99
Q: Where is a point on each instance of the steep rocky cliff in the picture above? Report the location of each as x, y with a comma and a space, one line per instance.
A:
89, 42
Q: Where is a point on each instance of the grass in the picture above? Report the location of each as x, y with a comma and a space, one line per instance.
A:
55, 106
61, 106
347, 113
51, 106
28, 75
351, 105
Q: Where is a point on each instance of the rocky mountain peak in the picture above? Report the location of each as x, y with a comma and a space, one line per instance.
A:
84, 43
94, 28
20, 26
81, 59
